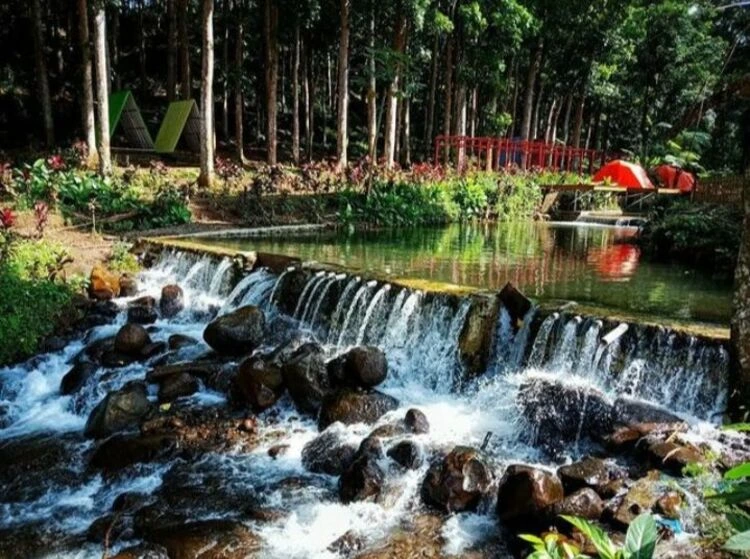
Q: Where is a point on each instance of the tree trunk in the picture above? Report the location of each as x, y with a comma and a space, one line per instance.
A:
207, 95
295, 93
740, 331
448, 96
566, 121
308, 106
342, 133
226, 6
550, 119
270, 24
113, 52
185, 83
391, 119
430, 118
474, 109
171, 50
41, 73
102, 95
239, 109
142, 48
461, 123
528, 105
534, 134
578, 123
87, 89
514, 104
406, 142
372, 102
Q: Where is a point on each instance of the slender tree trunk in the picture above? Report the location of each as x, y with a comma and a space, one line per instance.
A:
514, 104
142, 48
185, 78
207, 95
448, 95
578, 124
41, 73
306, 86
171, 50
87, 89
372, 102
474, 109
399, 122
342, 133
740, 331
225, 8
406, 142
461, 123
102, 95
391, 119
566, 120
430, 118
537, 111
113, 52
239, 109
295, 93
271, 18
550, 118
528, 105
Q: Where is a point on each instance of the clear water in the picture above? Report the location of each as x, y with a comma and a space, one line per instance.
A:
588, 263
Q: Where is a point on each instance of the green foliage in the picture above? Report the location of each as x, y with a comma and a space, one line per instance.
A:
32, 299
640, 539
121, 259
519, 195
551, 546
735, 493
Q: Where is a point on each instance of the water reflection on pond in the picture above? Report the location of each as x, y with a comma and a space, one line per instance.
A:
590, 264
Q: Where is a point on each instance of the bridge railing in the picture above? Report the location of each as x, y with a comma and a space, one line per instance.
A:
503, 153
722, 190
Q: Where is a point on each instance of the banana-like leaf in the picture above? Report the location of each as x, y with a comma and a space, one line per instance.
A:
640, 541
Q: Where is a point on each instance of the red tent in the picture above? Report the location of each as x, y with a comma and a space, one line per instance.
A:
674, 177
622, 173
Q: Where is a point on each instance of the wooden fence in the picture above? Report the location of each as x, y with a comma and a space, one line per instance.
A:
722, 190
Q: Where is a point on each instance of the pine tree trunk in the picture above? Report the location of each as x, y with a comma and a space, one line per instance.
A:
295, 93
342, 132
41, 73
528, 105
171, 50
239, 109
270, 24
430, 118
448, 107
102, 94
391, 119
740, 331
87, 85
225, 8
372, 102
185, 78
207, 95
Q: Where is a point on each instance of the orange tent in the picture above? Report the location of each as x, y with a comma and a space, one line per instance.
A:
674, 177
622, 173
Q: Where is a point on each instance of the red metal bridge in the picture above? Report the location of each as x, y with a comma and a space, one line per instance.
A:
503, 153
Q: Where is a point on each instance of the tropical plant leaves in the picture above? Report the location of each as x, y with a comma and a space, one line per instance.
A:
739, 542
600, 540
640, 541
738, 472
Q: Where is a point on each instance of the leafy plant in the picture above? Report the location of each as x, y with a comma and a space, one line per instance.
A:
552, 546
640, 539
121, 259
735, 493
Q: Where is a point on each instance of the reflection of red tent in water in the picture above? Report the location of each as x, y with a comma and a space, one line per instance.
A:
625, 174
615, 262
674, 177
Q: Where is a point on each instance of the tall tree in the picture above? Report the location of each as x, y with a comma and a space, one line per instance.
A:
372, 93
171, 49
207, 95
40, 59
102, 89
295, 93
87, 83
182, 24
342, 133
239, 102
391, 118
270, 28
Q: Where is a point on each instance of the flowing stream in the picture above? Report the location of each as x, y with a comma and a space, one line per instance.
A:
419, 334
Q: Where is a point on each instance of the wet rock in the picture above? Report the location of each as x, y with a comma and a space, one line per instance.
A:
416, 422
152, 350
138, 314
142, 551
353, 406
626, 436
77, 377
559, 414
258, 383
278, 450
671, 456
584, 503
477, 333
128, 285
236, 333
207, 539
114, 359
330, 452
628, 411
406, 454
526, 494
119, 410
94, 350
200, 369
179, 341
121, 451
389, 430
36, 541
516, 303
172, 300
178, 386
590, 472
131, 339
640, 498
669, 505
306, 378
110, 526
363, 367
458, 481
103, 284
347, 544
363, 479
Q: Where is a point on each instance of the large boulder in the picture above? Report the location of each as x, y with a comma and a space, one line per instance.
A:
236, 333
354, 406
364, 478
207, 539
131, 339
406, 454
119, 410
128, 285
306, 378
103, 284
526, 494
330, 452
172, 300
641, 497
258, 383
629, 411
669, 455
416, 422
142, 314
363, 367
584, 503
559, 414
594, 473
458, 481
77, 376
178, 386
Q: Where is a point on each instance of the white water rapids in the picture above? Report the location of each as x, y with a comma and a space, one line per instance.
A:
418, 333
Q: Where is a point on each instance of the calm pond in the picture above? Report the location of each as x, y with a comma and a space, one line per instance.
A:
593, 265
